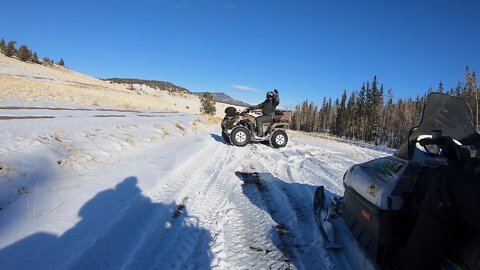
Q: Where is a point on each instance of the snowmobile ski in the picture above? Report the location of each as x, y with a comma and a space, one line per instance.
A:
324, 217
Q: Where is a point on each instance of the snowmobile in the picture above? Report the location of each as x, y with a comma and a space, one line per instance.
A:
239, 128
382, 197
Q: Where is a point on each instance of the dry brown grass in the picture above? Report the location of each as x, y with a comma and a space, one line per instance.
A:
33, 82
211, 119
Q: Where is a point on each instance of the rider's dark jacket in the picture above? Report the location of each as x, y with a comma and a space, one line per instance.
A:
269, 106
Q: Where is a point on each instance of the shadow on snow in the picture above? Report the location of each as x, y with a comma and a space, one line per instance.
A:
119, 228
218, 138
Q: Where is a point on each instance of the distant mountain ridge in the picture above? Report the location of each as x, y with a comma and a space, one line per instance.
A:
170, 87
224, 98
159, 85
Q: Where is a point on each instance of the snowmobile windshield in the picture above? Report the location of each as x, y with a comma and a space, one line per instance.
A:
450, 115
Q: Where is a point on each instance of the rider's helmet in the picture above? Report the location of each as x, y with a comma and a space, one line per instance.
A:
270, 95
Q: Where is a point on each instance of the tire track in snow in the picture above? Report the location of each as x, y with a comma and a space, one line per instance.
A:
144, 223
296, 216
333, 258
206, 199
221, 221
304, 241
225, 220
237, 226
256, 249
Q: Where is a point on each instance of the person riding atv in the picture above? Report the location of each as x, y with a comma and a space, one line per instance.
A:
268, 110
242, 127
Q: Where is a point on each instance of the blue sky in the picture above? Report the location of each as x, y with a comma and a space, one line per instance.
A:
307, 49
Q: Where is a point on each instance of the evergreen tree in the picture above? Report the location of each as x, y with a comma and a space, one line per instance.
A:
451, 92
333, 118
328, 115
340, 123
3, 46
46, 60
350, 116
469, 90
389, 119
303, 116
362, 108
440, 87
308, 117
370, 109
472, 95
61, 63
207, 102
322, 115
11, 50
296, 118
378, 113
458, 90
24, 53
34, 58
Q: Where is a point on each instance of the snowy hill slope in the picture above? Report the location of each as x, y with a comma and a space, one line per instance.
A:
89, 189
37, 83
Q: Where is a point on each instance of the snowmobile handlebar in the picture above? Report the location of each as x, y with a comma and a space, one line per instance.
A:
430, 141
452, 151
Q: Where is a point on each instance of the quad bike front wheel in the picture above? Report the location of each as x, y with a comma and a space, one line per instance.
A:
279, 139
240, 136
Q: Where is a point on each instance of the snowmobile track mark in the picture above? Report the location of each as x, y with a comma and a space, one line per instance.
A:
285, 235
257, 230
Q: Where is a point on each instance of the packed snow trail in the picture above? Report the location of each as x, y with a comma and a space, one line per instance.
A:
191, 202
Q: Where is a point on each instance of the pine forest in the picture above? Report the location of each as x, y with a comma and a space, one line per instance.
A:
373, 115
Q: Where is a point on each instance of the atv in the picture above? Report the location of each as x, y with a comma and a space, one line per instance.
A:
383, 197
239, 128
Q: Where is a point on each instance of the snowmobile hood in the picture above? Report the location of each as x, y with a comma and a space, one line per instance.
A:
442, 112
376, 179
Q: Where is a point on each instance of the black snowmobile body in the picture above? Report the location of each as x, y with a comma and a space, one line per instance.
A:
239, 128
383, 196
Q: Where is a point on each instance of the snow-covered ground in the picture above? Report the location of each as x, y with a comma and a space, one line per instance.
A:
109, 189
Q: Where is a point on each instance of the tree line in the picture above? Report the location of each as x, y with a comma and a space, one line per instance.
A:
24, 54
371, 114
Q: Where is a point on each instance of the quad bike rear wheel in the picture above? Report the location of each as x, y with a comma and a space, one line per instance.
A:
240, 136
279, 139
